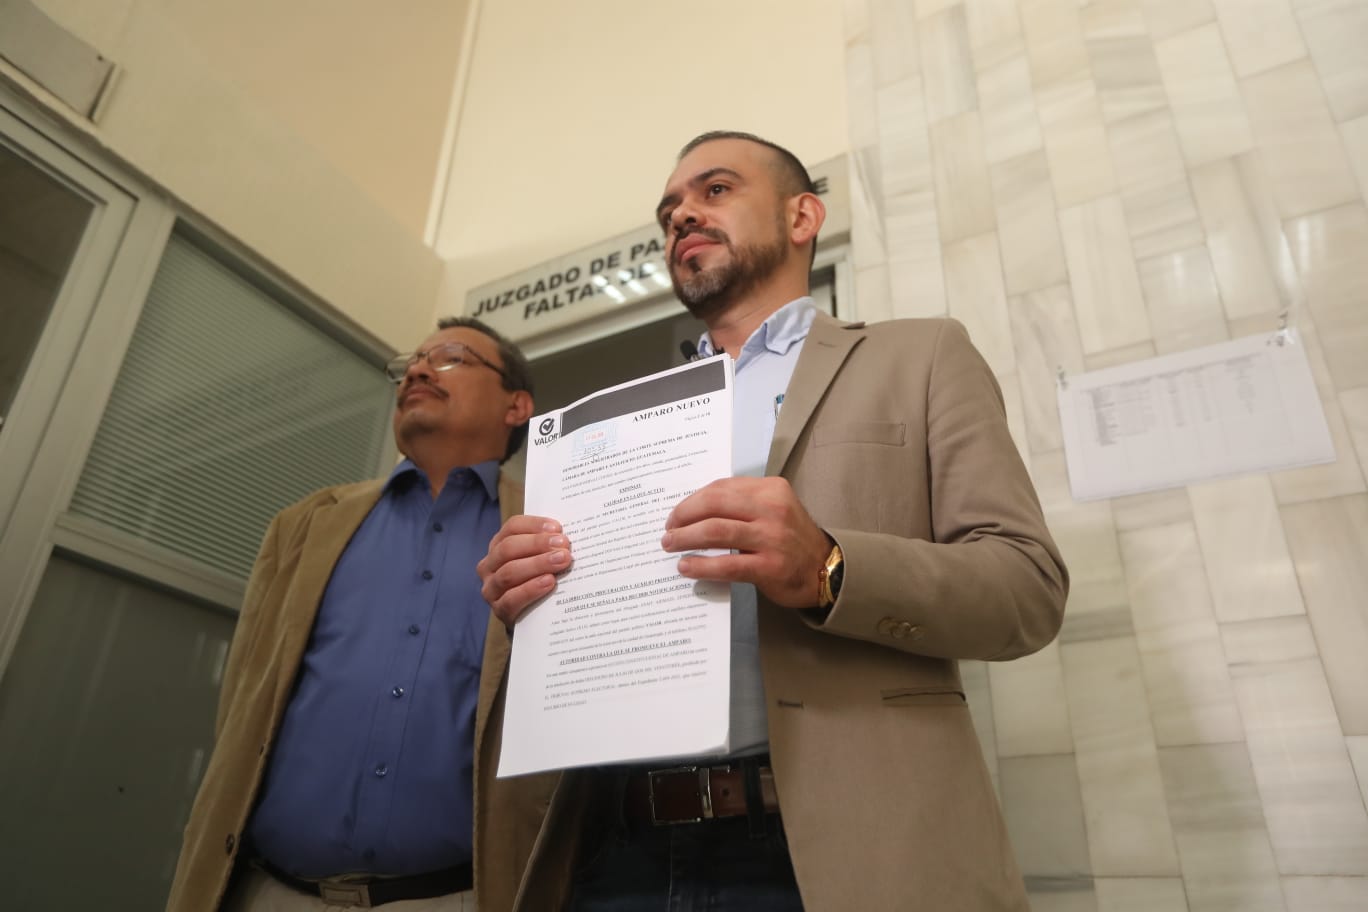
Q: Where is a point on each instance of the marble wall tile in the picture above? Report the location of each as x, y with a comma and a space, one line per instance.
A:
866, 208
1061, 895
862, 113
904, 143
1099, 623
1358, 755
1043, 805
1016, 415
1140, 894
1354, 406
964, 195
1276, 639
947, 67
1328, 250
1010, 125
1326, 894
1191, 700
1153, 508
994, 32
1337, 33
1122, 59
1153, 180
1129, 833
854, 19
1028, 228
1076, 142
916, 289
1246, 554
1169, 17
1312, 805
1031, 715
1329, 543
974, 289
1201, 87
1297, 139
1054, 41
1086, 536
1260, 34
872, 295
916, 279
1184, 305
1355, 133
926, 8
1046, 340
1123, 355
1218, 824
1250, 255
893, 34
1107, 297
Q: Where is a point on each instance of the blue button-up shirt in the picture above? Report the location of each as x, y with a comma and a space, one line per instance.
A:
763, 368
372, 768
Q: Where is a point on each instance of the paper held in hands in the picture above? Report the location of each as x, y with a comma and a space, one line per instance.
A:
626, 660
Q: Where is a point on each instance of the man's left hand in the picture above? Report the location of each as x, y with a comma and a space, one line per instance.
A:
779, 548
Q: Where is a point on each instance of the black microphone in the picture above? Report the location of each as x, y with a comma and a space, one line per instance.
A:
689, 350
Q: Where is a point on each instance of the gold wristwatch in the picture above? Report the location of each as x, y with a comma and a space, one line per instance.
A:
829, 578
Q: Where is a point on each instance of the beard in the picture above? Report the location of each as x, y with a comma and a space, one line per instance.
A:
709, 292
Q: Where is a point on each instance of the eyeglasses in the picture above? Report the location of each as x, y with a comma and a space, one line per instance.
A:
441, 357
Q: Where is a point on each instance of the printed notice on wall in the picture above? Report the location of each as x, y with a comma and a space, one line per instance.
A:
625, 660
1249, 405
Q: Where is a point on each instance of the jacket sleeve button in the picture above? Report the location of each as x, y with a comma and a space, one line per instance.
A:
229, 843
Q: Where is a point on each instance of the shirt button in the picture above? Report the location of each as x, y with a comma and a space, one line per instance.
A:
381, 770
436, 527
413, 629
398, 692
427, 574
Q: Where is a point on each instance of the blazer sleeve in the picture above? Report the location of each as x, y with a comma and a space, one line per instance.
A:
990, 584
249, 619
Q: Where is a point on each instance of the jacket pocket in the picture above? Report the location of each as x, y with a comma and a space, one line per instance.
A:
882, 433
922, 696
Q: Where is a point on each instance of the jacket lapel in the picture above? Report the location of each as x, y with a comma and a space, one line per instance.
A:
497, 644
828, 344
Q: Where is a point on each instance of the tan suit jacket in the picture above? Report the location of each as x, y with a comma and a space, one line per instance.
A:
894, 438
294, 565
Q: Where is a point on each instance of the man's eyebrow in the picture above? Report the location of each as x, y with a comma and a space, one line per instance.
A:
670, 200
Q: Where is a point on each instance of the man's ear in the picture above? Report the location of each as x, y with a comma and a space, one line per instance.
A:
520, 408
807, 212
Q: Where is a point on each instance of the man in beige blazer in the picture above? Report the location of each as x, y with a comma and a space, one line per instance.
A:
892, 530
359, 644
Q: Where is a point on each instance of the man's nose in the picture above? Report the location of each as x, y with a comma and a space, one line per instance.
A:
685, 215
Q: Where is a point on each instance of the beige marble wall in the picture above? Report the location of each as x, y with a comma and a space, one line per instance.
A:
1090, 182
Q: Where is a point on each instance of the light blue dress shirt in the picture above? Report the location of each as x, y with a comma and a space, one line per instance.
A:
763, 368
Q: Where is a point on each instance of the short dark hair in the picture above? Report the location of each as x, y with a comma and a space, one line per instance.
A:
790, 176
516, 373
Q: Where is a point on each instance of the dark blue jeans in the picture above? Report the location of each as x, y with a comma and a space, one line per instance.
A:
718, 866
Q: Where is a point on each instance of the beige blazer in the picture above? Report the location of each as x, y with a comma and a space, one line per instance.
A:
895, 439
294, 565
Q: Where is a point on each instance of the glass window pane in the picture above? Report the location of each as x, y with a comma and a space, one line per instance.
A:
106, 717
227, 408
41, 223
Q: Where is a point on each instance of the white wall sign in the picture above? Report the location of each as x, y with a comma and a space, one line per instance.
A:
1249, 405
617, 273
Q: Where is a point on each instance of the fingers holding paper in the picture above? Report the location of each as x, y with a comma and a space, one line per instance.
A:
779, 548
522, 563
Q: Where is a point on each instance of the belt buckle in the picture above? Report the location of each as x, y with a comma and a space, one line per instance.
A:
343, 893
704, 792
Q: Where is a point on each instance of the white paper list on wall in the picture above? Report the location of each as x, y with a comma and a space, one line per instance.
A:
1248, 405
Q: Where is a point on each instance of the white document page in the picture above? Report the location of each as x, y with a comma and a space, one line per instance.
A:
1249, 405
626, 660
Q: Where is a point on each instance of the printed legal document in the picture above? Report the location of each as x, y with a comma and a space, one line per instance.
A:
626, 660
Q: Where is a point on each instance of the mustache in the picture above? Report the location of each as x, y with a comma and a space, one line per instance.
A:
409, 387
712, 234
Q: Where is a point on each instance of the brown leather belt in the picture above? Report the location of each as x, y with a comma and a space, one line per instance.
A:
692, 794
366, 893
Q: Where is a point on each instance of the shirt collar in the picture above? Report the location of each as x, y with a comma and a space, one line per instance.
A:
781, 330
487, 472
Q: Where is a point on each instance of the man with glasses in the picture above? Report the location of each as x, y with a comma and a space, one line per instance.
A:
343, 769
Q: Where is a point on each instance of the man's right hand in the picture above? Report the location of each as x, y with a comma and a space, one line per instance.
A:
522, 563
